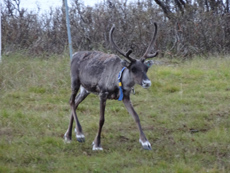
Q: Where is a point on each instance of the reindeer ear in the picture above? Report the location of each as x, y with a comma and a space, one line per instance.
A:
149, 63
125, 63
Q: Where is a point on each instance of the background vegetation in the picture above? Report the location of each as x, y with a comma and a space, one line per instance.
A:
185, 115
186, 27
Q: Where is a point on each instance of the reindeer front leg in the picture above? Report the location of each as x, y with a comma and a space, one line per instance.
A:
97, 141
143, 140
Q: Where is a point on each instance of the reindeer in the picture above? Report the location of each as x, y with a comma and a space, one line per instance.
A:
97, 72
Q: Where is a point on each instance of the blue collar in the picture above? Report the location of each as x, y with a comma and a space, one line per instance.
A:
120, 84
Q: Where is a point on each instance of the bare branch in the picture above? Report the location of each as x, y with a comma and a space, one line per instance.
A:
164, 7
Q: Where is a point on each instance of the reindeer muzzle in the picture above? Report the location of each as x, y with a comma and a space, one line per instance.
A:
146, 83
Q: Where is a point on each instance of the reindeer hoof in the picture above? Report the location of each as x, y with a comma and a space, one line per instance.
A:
67, 139
145, 145
95, 148
80, 138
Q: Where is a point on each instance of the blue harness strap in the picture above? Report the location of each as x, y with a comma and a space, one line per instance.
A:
120, 84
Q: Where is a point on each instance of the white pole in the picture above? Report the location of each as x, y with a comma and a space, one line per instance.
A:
68, 29
0, 32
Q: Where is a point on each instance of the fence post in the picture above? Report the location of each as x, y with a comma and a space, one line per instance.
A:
68, 29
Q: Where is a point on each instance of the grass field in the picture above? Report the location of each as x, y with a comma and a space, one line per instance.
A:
185, 115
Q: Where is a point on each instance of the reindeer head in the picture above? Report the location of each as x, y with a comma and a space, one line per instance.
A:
137, 68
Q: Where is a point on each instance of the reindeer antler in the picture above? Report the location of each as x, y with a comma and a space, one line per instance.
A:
147, 52
126, 55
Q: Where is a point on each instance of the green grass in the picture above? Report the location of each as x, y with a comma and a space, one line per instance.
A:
185, 115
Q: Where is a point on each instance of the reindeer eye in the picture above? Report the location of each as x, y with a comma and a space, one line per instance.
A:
134, 69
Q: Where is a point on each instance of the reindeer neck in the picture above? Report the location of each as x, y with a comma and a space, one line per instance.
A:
127, 81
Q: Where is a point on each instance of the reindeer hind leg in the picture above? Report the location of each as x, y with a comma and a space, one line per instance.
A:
68, 134
78, 129
74, 104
